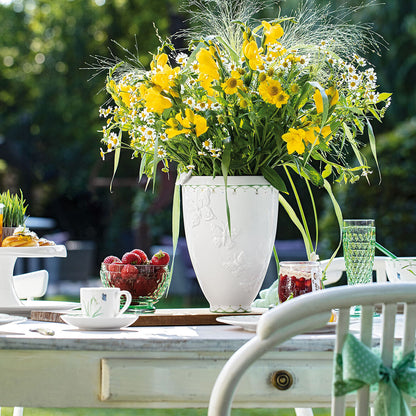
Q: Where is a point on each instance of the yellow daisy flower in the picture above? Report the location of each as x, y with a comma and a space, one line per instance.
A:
271, 92
231, 85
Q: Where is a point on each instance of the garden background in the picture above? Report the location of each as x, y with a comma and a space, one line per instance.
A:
51, 90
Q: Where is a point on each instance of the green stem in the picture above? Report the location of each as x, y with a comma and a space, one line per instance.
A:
385, 251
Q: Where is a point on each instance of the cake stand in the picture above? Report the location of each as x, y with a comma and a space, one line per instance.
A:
9, 301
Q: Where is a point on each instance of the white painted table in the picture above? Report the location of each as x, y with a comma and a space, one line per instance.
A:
150, 367
153, 367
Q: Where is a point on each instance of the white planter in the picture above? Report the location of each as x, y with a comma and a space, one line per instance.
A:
230, 269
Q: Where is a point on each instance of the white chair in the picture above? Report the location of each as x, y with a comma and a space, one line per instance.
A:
312, 311
333, 271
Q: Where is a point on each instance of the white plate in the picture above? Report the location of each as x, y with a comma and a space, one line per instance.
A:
249, 323
44, 251
6, 319
96, 324
38, 305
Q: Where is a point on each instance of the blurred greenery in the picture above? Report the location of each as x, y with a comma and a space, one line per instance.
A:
392, 203
50, 93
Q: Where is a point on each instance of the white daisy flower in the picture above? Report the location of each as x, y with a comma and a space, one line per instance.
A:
207, 144
181, 59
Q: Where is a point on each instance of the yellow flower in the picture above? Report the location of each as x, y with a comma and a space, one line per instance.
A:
326, 133
272, 32
333, 97
311, 135
126, 93
198, 121
207, 65
252, 53
206, 84
176, 126
271, 92
180, 125
165, 77
156, 102
231, 85
294, 139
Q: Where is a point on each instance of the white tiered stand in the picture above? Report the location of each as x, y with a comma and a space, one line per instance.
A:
9, 300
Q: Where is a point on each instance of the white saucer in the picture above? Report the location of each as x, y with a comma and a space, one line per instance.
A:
6, 319
97, 324
249, 323
27, 306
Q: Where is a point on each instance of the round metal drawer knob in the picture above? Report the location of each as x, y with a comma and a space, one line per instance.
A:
282, 379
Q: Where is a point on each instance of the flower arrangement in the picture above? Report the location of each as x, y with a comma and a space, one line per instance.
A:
250, 97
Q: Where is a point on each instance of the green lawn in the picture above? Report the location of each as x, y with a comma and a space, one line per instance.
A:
154, 412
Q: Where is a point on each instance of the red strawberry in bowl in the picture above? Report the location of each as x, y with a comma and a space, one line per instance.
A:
129, 272
161, 258
111, 259
142, 255
131, 258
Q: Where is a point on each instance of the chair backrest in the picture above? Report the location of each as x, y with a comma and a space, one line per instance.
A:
336, 267
313, 311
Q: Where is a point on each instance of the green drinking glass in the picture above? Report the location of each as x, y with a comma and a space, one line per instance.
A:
359, 239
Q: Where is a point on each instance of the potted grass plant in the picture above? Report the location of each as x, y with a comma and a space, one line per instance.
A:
14, 211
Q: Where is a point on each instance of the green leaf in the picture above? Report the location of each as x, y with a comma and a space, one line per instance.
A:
274, 178
383, 96
338, 214
294, 218
372, 140
225, 167
327, 171
176, 219
116, 162
313, 175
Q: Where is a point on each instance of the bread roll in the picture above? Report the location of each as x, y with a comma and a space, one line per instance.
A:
20, 240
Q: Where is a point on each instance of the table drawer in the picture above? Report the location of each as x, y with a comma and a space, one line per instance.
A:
175, 381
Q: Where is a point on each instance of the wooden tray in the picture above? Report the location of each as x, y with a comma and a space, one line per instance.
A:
161, 317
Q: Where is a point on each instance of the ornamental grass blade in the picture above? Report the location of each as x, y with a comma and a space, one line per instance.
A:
338, 214
116, 161
225, 167
176, 219
294, 218
372, 140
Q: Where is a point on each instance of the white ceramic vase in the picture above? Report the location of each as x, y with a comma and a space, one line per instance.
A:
230, 268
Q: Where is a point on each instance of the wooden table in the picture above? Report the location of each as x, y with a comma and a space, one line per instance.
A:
153, 367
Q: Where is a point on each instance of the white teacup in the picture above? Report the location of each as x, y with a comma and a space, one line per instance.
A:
103, 302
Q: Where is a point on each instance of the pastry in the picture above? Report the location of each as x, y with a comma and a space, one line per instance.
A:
20, 240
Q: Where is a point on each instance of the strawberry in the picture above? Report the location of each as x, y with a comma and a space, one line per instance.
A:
129, 272
131, 258
111, 259
114, 269
142, 255
161, 258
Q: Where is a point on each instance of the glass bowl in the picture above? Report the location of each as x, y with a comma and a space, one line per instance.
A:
402, 269
146, 283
